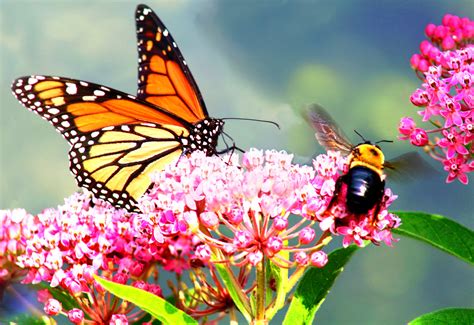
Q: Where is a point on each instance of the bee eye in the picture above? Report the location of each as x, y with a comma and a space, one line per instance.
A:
374, 152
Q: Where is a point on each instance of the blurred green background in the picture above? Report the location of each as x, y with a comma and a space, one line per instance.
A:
259, 59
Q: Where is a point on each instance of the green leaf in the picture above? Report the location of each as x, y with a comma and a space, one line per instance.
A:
458, 316
438, 231
25, 319
152, 304
314, 287
238, 297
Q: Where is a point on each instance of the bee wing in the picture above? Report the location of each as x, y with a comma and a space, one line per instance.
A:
408, 167
328, 133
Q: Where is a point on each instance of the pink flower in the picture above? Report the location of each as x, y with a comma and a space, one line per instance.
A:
419, 137
319, 259
453, 143
457, 167
118, 319
445, 65
75, 315
354, 232
52, 307
141, 285
420, 98
203, 252
43, 295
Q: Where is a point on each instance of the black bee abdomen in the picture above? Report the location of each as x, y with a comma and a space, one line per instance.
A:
364, 189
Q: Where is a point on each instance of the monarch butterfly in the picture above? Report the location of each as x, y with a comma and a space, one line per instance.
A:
117, 140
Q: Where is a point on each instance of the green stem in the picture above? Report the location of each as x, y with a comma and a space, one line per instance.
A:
261, 285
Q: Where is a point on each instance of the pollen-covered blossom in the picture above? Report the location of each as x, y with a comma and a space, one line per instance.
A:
262, 208
446, 96
84, 237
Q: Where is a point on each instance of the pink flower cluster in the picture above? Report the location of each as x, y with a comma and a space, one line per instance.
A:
16, 227
65, 247
201, 210
265, 207
446, 97
453, 33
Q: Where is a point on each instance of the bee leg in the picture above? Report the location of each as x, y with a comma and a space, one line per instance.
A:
378, 206
335, 196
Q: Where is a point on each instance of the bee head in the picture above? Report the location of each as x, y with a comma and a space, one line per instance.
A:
369, 155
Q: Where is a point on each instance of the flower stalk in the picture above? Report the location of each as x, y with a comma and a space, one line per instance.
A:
260, 293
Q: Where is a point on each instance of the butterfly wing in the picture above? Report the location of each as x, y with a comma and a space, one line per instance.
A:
164, 78
328, 133
117, 141
76, 107
116, 162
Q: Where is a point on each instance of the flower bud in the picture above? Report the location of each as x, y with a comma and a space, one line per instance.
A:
203, 252
306, 235
75, 315
419, 137
209, 220
319, 259
301, 258
275, 244
52, 307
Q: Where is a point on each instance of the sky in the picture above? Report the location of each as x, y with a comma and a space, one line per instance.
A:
257, 59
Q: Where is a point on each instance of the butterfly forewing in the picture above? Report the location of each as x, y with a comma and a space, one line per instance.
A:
164, 78
76, 107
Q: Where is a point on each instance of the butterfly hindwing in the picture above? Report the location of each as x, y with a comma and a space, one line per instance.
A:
116, 162
164, 78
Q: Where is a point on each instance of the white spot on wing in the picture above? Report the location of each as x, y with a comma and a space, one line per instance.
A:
71, 88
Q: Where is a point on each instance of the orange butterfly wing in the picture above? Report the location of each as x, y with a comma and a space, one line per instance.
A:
164, 78
117, 141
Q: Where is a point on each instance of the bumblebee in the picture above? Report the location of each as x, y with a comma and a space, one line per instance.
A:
365, 179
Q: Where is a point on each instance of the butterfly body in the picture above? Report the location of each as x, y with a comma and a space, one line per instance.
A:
203, 136
119, 140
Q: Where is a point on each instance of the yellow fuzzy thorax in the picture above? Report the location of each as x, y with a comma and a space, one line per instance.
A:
367, 155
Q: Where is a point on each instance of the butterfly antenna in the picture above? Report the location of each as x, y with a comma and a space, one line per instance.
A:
251, 119
360, 135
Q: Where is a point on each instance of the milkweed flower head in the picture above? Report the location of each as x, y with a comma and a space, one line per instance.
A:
65, 247
264, 207
446, 97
